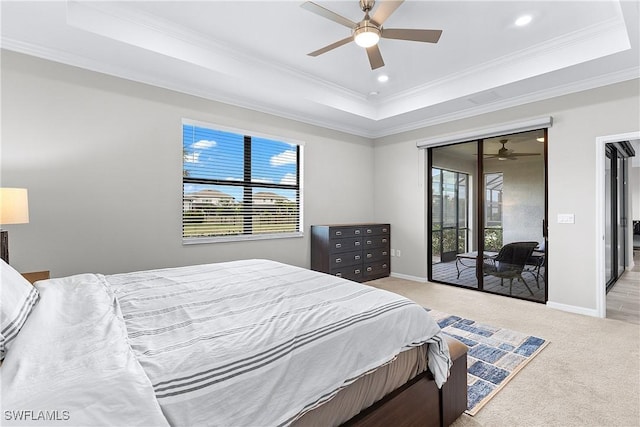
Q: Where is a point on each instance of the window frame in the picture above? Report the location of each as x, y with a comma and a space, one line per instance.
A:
247, 185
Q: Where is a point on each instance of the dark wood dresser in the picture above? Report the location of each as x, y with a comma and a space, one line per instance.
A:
357, 252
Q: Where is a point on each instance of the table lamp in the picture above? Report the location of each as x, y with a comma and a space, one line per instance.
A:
14, 209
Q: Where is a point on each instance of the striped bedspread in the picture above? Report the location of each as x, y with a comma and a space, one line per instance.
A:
257, 342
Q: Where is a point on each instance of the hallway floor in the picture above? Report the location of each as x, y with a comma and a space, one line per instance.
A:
623, 300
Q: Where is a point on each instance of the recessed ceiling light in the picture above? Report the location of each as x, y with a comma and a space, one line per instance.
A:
374, 93
523, 20
383, 78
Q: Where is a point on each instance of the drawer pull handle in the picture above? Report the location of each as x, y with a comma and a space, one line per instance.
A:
384, 266
384, 230
357, 271
369, 242
369, 231
369, 268
357, 243
384, 252
339, 274
357, 257
338, 245
384, 240
357, 232
338, 260
369, 255
338, 233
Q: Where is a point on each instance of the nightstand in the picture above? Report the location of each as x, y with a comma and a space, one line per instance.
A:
36, 275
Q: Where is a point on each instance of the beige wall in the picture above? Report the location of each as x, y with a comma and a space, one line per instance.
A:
578, 119
102, 159
523, 198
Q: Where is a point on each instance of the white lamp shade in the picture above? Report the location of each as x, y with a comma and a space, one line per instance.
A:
14, 206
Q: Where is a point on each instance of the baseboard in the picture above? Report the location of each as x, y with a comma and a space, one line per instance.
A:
573, 309
407, 277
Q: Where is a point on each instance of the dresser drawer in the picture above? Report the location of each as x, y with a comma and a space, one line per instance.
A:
376, 242
374, 230
375, 254
376, 270
345, 245
353, 272
343, 259
344, 232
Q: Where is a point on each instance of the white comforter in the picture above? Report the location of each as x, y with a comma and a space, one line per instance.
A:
71, 363
231, 344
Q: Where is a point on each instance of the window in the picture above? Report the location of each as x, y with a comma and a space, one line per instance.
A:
493, 211
449, 222
237, 186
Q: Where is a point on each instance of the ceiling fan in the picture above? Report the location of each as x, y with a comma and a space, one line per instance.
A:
506, 154
368, 32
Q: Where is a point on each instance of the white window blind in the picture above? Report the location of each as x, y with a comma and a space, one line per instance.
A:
237, 186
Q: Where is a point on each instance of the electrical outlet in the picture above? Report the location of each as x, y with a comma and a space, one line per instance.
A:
393, 252
398, 253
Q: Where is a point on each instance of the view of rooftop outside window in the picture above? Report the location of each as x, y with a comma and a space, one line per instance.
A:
238, 185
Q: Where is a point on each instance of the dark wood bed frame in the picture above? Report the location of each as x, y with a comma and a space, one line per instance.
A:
419, 402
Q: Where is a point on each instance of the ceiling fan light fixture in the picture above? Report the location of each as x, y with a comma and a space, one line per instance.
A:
366, 35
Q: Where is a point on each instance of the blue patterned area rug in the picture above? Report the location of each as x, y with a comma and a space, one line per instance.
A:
495, 355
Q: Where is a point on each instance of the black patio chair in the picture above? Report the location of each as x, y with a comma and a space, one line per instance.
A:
509, 263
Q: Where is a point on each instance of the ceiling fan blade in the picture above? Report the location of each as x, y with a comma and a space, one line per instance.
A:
524, 154
428, 36
375, 57
384, 10
331, 46
326, 13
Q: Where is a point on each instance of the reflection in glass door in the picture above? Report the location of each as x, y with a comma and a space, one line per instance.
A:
504, 206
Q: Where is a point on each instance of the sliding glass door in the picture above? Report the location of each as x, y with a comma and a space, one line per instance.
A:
616, 206
489, 196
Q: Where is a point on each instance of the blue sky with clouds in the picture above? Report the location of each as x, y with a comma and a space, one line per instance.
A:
219, 155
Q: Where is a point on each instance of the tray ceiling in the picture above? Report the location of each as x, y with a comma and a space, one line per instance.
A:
254, 54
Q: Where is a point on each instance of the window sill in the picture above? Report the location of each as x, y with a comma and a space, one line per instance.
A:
239, 238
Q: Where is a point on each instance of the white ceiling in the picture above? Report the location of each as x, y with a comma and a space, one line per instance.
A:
254, 54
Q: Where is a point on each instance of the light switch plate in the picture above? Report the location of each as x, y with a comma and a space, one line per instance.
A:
566, 219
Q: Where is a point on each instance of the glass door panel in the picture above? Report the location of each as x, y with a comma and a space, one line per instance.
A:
514, 212
608, 235
453, 220
621, 216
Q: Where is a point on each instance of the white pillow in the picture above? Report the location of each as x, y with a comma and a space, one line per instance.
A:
17, 299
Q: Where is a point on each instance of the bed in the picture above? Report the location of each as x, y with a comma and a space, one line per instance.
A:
251, 342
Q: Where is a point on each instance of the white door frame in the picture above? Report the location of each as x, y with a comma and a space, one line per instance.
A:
601, 288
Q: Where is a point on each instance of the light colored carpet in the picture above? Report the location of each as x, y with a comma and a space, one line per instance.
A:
589, 375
